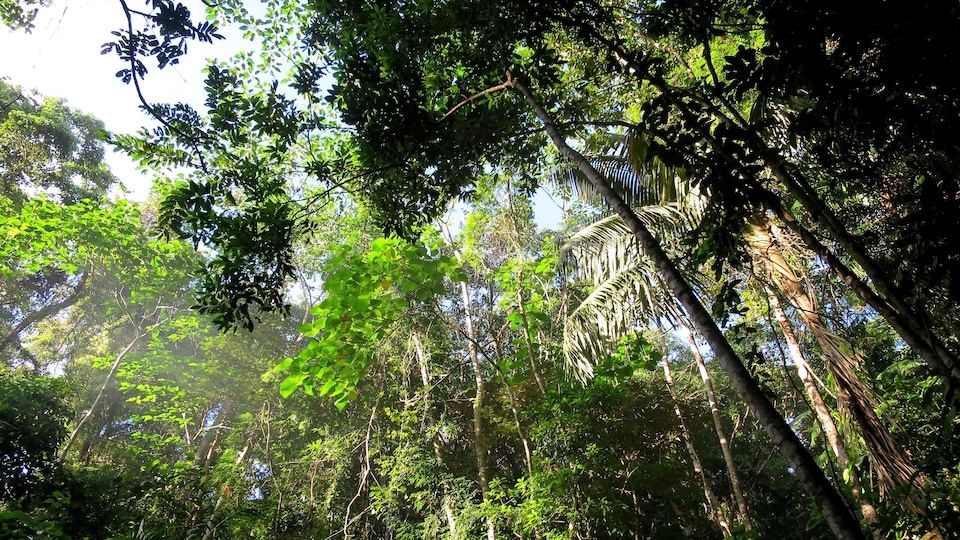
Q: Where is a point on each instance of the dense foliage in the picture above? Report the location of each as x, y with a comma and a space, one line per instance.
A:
745, 326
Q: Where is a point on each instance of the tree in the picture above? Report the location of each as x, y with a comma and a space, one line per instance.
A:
48, 148
33, 416
410, 80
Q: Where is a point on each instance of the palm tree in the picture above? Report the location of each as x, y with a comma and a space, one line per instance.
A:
627, 289
834, 510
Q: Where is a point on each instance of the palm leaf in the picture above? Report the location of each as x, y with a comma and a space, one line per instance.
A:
637, 172
596, 251
615, 308
628, 291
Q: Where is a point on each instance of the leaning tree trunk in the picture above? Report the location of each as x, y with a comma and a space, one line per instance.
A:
832, 506
78, 292
105, 422
904, 321
732, 473
805, 373
207, 449
855, 398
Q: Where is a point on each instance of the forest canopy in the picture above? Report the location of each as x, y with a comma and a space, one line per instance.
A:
745, 325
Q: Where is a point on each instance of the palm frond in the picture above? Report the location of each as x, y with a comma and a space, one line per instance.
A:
615, 308
605, 253
598, 250
633, 165
650, 185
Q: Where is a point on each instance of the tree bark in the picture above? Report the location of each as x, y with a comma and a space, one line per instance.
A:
835, 512
855, 398
732, 473
805, 373
716, 509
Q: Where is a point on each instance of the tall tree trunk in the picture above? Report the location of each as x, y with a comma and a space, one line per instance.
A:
210, 526
855, 398
687, 532
880, 279
366, 470
835, 512
205, 458
732, 473
102, 429
431, 424
716, 509
805, 373
528, 341
479, 442
480, 445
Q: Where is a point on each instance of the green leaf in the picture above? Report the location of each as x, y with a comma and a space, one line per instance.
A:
327, 387
290, 384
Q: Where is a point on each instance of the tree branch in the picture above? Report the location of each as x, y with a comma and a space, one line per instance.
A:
45, 312
475, 97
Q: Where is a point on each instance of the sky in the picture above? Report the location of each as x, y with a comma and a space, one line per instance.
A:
61, 57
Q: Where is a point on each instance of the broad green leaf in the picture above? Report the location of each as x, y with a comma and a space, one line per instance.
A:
290, 385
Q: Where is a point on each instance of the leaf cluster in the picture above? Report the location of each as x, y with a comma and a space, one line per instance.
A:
48, 148
33, 417
366, 294
167, 28
19, 14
